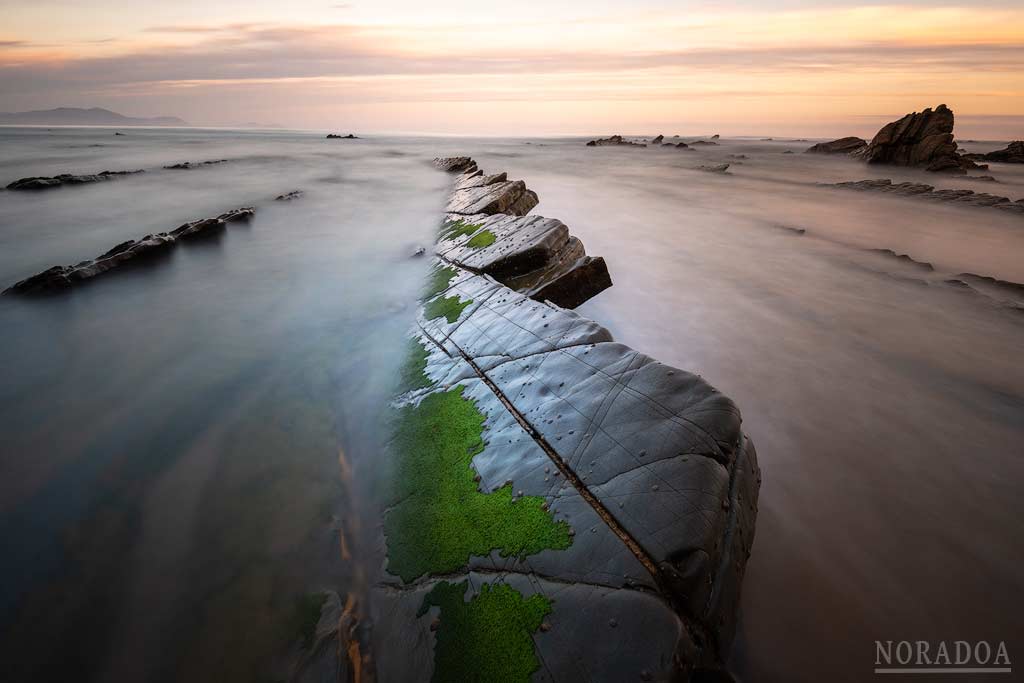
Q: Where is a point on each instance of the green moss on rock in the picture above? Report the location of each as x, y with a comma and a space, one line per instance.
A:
458, 228
487, 639
413, 371
442, 518
438, 281
483, 239
450, 307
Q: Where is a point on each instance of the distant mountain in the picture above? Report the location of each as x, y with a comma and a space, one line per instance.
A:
72, 116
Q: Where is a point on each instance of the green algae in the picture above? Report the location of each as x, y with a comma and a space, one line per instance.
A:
484, 239
306, 615
442, 518
438, 281
488, 638
459, 228
450, 307
413, 371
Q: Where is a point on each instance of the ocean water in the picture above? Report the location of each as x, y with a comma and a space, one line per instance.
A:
184, 442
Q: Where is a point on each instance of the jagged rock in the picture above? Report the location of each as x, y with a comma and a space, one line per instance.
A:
840, 146
924, 191
715, 136
61, 277
334, 136
716, 168
1013, 154
614, 140
195, 164
289, 196
533, 255
658, 140
455, 164
922, 139
476, 193
45, 183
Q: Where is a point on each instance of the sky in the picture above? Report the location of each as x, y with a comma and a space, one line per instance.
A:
531, 67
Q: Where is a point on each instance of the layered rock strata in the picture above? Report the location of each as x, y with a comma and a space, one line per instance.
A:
49, 182
62, 277
923, 191
593, 507
921, 139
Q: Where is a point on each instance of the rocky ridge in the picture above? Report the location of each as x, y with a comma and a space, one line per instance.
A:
48, 182
923, 191
62, 277
603, 497
922, 139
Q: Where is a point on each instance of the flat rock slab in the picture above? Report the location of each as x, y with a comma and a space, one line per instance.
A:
46, 183
923, 191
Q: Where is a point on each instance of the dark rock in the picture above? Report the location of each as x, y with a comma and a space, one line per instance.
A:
716, 168
334, 136
195, 164
1013, 154
118, 133
703, 142
922, 191
456, 164
788, 151
61, 277
614, 140
289, 196
840, 146
921, 139
658, 140
45, 183
419, 251
715, 136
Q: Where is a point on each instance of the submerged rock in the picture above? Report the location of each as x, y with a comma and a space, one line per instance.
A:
840, 146
195, 164
923, 191
921, 139
614, 140
289, 196
45, 183
62, 277
716, 168
335, 136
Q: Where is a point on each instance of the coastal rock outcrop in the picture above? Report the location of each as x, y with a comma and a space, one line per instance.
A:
62, 277
49, 182
845, 145
614, 140
923, 191
335, 136
582, 469
921, 139
187, 165
476, 193
1013, 154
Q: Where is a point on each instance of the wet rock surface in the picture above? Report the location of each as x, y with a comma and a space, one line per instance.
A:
639, 484
49, 182
132, 251
920, 139
289, 196
924, 191
841, 146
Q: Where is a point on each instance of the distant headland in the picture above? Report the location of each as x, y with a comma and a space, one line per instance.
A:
73, 116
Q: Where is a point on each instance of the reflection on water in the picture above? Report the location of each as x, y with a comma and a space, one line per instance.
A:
170, 479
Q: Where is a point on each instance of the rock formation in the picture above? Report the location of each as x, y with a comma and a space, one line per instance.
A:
476, 193
923, 191
658, 140
289, 196
195, 164
840, 146
45, 183
1013, 154
614, 140
62, 277
334, 136
716, 168
921, 139
585, 471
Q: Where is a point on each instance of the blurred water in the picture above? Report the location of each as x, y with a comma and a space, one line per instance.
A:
171, 434
170, 480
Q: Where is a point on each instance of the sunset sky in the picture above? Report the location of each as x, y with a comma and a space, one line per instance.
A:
526, 68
